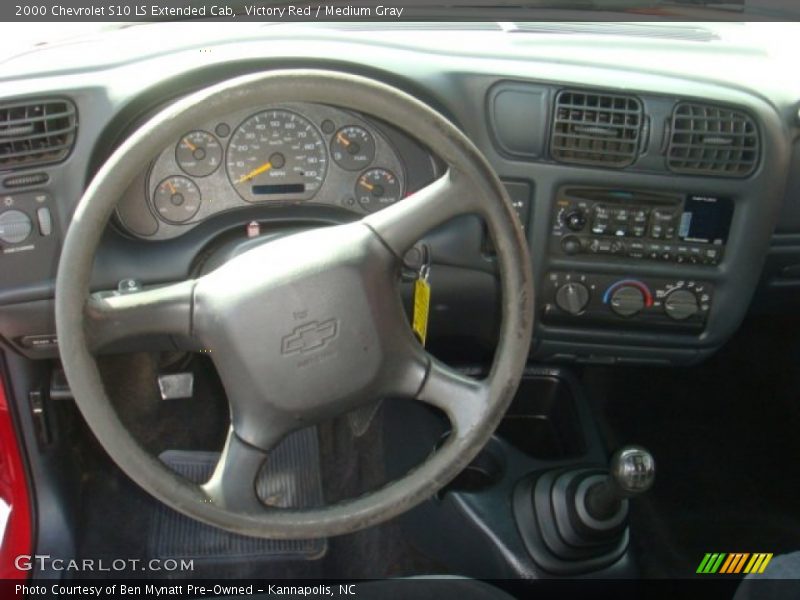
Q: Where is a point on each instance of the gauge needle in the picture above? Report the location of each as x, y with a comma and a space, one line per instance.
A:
190, 145
171, 187
342, 139
364, 184
257, 171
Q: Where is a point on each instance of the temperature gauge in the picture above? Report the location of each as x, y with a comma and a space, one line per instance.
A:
377, 188
198, 153
353, 148
177, 199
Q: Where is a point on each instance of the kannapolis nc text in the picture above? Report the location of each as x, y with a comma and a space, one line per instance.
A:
182, 590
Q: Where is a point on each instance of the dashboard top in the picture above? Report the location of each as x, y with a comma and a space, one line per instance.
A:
114, 85
731, 53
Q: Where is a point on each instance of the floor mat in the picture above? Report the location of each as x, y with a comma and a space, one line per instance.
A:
290, 478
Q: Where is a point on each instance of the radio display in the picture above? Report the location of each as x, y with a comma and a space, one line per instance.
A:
706, 220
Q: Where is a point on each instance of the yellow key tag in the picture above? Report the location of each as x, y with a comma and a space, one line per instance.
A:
422, 305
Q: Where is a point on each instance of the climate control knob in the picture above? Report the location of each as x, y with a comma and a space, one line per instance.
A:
681, 304
627, 300
572, 298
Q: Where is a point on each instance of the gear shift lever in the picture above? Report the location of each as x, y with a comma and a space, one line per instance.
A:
631, 472
579, 516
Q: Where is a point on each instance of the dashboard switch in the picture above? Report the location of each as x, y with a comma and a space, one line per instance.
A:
45, 220
15, 226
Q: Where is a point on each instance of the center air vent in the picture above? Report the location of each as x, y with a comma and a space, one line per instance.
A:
711, 140
596, 129
36, 132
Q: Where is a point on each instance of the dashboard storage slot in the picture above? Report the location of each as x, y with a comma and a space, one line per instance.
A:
542, 421
712, 140
596, 129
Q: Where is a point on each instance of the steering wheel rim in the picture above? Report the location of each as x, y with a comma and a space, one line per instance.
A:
470, 186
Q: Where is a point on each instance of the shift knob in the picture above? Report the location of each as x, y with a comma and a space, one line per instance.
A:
631, 472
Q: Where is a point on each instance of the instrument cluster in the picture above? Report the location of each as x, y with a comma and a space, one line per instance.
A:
294, 153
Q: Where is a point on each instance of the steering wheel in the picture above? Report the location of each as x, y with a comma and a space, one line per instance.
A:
337, 287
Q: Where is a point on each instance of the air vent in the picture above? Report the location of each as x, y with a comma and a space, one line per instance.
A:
596, 129
36, 132
711, 140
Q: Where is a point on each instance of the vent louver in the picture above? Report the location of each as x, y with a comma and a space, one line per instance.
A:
712, 140
36, 132
596, 128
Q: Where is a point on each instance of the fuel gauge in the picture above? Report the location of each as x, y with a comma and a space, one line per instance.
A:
177, 199
198, 153
377, 188
353, 148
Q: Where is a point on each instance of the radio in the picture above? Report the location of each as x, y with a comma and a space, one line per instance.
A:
680, 228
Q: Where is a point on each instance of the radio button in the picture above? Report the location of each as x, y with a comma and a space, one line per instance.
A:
636, 250
712, 256
599, 227
662, 216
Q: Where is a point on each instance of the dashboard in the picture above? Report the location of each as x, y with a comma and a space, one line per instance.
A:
287, 154
657, 180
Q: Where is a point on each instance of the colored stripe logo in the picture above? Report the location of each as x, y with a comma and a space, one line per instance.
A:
733, 563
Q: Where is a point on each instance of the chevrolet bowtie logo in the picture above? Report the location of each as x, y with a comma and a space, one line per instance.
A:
308, 337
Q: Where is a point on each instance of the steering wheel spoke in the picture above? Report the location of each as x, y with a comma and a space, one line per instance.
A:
463, 399
402, 224
233, 484
162, 310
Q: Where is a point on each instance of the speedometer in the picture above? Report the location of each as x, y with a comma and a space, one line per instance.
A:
276, 155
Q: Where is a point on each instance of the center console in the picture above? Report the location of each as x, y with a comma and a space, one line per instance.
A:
640, 229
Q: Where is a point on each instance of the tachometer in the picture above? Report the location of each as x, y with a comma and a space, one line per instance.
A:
276, 155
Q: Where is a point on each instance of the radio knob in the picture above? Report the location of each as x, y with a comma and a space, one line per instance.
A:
575, 219
681, 304
627, 300
571, 244
572, 298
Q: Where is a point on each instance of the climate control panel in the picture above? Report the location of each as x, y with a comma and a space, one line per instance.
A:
620, 302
